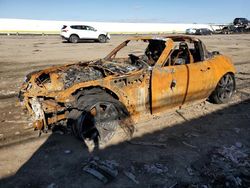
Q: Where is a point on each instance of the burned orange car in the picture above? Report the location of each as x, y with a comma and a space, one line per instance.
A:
143, 75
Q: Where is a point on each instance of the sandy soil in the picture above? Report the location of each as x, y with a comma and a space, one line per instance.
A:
175, 149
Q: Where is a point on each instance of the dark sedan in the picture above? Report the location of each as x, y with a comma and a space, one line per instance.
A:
203, 31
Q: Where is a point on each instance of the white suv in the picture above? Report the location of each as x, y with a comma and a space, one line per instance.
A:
74, 33
190, 31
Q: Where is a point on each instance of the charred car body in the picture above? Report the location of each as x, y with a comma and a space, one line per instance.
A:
95, 97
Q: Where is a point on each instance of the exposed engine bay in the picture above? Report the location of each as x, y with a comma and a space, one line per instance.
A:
88, 71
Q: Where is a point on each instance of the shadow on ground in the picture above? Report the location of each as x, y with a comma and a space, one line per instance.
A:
82, 41
183, 155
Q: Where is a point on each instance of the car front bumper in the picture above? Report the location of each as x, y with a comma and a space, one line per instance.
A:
108, 36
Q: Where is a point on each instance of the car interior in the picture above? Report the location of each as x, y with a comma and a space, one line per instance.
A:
183, 52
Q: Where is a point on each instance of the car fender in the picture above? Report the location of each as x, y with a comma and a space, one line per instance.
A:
74, 34
104, 84
103, 33
221, 65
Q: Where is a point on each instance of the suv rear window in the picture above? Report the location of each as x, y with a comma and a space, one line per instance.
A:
76, 27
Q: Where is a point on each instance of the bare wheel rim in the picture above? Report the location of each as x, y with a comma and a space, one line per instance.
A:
102, 121
225, 87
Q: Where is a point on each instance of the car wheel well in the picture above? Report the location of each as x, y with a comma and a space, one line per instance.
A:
85, 98
231, 73
94, 89
74, 35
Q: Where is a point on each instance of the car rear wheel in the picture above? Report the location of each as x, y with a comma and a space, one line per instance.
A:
102, 38
74, 39
224, 89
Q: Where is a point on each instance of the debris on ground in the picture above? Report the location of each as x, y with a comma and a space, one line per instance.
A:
191, 134
105, 170
189, 145
238, 144
228, 166
173, 185
234, 154
67, 151
131, 176
190, 171
156, 168
52, 185
237, 130
91, 169
28, 126
7, 94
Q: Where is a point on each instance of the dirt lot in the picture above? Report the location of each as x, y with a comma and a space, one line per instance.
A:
203, 145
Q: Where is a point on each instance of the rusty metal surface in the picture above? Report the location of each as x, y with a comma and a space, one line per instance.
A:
49, 94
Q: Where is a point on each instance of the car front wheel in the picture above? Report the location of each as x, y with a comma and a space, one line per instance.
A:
102, 38
97, 117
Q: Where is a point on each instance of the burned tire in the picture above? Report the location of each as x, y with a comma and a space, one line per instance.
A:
74, 39
97, 116
74, 114
224, 89
102, 38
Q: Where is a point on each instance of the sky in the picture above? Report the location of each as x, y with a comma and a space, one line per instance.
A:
174, 11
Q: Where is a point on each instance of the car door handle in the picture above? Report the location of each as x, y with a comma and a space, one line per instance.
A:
173, 84
205, 69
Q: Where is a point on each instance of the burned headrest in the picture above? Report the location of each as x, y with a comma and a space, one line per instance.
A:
183, 46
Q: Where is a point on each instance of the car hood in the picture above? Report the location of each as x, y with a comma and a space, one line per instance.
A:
63, 77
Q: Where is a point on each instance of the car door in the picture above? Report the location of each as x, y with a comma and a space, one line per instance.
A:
169, 87
200, 80
84, 33
77, 29
91, 32
168, 83
177, 84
